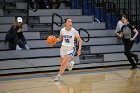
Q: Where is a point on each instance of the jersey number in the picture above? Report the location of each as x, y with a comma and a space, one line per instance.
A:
67, 40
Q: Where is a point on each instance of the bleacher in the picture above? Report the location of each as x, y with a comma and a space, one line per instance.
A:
102, 49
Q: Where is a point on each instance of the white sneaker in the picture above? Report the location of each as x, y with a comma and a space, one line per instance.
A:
71, 65
27, 47
57, 78
18, 48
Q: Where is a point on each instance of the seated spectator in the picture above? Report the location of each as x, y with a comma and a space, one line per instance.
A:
15, 36
66, 2
41, 4
54, 2
118, 29
119, 26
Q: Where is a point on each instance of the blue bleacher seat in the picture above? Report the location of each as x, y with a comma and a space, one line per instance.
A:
88, 7
76, 4
99, 14
73, 4
111, 20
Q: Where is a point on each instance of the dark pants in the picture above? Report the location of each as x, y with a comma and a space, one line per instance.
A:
41, 4
12, 45
57, 3
17, 39
21, 40
127, 47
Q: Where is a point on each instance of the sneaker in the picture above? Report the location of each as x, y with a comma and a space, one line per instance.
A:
133, 67
57, 78
27, 47
18, 48
71, 65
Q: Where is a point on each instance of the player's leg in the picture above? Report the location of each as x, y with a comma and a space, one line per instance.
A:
58, 76
66, 60
64, 63
71, 63
63, 53
67, 65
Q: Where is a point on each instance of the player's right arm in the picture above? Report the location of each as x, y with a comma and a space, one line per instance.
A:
59, 39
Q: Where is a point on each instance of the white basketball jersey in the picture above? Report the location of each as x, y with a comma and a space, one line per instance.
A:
68, 36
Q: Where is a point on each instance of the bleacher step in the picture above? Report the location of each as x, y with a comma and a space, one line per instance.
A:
117, 56
75, 19
87, 26
36, 53
39, 27
49, 12
54, 68
112, 48
91, 58
6, 27
13, 12
38, 62
1, 12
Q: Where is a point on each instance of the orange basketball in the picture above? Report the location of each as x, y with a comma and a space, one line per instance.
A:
51, 40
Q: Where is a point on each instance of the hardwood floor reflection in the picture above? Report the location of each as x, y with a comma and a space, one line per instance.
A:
113, 80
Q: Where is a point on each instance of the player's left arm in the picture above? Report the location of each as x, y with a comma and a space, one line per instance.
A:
79, 44
135, 35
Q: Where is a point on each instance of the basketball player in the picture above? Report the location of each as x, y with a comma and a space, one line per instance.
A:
67, 50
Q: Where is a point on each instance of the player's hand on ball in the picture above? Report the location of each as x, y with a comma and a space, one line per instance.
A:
54, 43
52, 40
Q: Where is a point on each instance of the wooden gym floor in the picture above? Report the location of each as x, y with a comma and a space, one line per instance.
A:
103, 80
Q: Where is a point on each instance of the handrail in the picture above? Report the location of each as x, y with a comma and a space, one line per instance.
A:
28, 7
53, 22
88, 37
35, 5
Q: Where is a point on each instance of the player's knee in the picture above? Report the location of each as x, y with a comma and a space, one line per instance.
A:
63, 64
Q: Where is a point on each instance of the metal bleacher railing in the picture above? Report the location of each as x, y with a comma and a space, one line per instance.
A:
88, 35
31, 5
56, 23
61, 23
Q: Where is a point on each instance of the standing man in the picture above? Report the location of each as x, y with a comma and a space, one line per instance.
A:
128, 33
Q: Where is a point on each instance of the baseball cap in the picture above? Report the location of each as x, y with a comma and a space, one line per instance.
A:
19, 19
